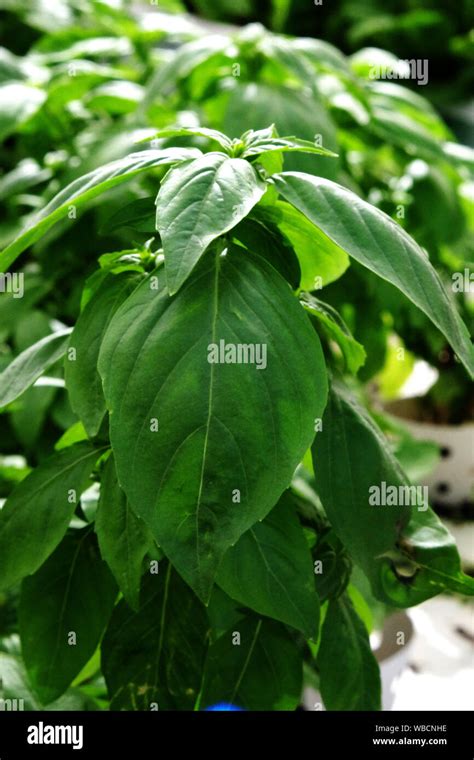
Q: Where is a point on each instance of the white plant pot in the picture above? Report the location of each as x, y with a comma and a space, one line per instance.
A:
392, 648
451, 484
393, 654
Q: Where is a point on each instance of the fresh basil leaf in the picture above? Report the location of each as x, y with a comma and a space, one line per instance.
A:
380, 244
428, 560
348, 671
197, 204
402, 547
87, 187
164, 671
36, 515
64, 609
285, 145
180, 423
28, 366
82, 378
270, 570
123, 538
256, 666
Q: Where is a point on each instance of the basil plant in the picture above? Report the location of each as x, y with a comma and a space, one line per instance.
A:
198, 526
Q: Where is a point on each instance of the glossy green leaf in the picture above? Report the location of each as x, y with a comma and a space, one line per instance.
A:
270, 570
349, 457
123, 538
37, 514
152, 659
348, 671
87, 187
428, 560
82, 378
204, 448
381, 245
198, 203
405, 551
28, 366
64, 609
255, 666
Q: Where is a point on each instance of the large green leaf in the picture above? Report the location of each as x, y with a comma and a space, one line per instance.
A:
381, 245
37, 514
30, 365
270, 570
153, 659
428, 561
123, 538
255, 666
230, 435
82, 378
64, 609
87, 187
199, 202
403, 548
348, 671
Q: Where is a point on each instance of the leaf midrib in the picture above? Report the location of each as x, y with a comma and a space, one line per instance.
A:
215, 310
